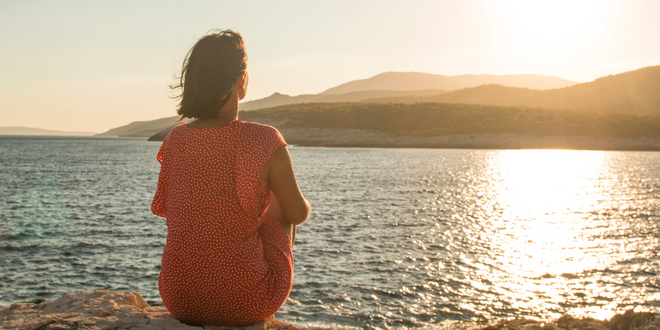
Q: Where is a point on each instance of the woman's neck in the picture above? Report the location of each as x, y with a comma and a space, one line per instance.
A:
226, 115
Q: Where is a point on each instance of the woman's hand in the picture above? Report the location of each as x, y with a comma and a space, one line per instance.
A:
274, 212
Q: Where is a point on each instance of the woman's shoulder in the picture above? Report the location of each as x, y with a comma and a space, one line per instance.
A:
178, 128
260, 132
249, 125
175, 132
258, 129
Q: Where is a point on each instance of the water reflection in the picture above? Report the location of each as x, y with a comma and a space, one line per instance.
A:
398, 237
536, 183
548, 231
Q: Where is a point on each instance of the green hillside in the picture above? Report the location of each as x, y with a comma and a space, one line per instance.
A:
430, 119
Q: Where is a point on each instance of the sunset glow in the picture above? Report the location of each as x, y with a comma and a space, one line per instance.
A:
557, 26
95, 66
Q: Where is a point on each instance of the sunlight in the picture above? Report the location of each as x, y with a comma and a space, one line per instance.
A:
542, 192
551, 25
537, 183
545, 238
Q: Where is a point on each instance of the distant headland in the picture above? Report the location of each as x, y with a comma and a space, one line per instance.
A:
620, 112
15, 130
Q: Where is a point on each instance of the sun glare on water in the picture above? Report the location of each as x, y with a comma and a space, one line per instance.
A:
544, 237
538, 183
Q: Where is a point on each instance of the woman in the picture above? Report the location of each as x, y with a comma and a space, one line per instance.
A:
227, 260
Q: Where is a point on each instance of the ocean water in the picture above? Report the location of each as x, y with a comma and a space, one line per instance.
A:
398, 238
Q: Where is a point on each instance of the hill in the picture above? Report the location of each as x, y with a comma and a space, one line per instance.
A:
630, 92
447, 125
635, 92
149, 128
429, 119
14, 130
405, 84
402, 81
484, 94
278, 99
142, 128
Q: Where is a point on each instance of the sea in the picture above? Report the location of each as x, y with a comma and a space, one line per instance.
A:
397, 238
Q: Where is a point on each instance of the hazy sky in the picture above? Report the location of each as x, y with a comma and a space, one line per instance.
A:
92, 66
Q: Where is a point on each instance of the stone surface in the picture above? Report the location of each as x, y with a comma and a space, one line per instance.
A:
346, 137
110, 310
627, 321
104, 310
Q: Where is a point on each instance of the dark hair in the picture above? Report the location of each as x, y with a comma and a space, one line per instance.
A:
209, 73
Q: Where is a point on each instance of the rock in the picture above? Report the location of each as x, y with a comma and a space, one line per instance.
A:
634, 321
104, 310
627, 321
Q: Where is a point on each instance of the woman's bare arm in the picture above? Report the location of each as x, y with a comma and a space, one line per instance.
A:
278, 171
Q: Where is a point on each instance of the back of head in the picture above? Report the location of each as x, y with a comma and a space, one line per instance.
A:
210, 72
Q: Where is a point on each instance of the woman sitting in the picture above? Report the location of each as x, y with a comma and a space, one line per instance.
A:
230, 197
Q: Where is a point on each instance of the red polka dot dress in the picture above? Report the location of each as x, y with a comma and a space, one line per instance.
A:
224, 262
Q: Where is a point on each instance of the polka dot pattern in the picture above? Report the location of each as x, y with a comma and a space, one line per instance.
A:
224, 262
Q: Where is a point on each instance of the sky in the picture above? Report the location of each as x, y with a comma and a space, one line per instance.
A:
92, 65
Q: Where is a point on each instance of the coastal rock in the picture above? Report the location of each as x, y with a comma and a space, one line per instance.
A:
104, 310
627, 321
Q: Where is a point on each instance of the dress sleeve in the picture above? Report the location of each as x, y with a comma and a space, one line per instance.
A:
255, 145
158, 203
274, 140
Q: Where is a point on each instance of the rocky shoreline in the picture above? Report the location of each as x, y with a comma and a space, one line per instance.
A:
340, 137
110, 310
104, 310
359, 138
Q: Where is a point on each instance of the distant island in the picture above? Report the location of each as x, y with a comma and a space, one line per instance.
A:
620, 112
14, 130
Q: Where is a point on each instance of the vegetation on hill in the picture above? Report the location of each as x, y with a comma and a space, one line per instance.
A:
430, 119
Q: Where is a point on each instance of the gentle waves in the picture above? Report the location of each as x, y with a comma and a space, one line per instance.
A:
397, 237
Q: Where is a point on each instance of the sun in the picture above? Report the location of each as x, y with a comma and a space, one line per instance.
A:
557, 25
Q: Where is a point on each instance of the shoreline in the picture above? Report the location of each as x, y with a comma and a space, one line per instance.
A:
104, 309
322, 137
360, 138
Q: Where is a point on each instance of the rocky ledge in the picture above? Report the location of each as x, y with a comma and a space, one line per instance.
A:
627, 321
110, 310
106, 310
344, 137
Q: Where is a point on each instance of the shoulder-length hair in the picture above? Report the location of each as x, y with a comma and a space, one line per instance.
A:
209, 73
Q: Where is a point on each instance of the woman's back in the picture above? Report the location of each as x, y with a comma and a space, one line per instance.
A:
224, 262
